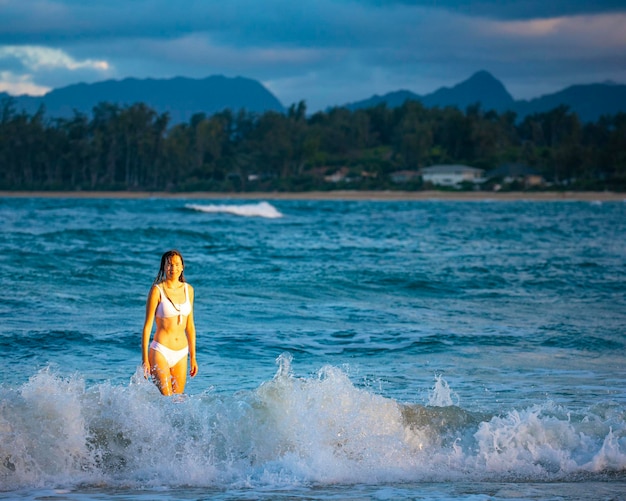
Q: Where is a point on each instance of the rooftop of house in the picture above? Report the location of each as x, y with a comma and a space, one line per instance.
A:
450, 169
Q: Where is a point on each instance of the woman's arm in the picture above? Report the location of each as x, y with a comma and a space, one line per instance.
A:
151, 304
190, 329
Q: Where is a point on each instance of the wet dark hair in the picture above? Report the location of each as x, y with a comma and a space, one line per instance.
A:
165, 258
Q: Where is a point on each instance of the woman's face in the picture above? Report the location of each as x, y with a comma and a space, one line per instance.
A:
174, 267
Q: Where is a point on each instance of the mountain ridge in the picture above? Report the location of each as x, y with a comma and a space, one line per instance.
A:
183, 97
494, 93
589, 101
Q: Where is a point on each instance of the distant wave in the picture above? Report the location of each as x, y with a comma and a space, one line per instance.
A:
261, 209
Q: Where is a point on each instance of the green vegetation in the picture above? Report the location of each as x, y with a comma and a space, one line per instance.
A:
134, 148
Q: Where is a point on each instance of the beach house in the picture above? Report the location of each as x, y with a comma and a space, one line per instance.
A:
510, 173
452, 175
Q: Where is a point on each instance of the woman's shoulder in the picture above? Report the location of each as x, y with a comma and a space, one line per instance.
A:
154, 294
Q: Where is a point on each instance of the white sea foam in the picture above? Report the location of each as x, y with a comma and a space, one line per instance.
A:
442, 395
290, 431
261, 209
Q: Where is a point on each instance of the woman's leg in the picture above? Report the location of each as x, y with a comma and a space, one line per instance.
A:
179, 375
160, 372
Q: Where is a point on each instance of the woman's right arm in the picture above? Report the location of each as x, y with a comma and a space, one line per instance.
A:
151, 305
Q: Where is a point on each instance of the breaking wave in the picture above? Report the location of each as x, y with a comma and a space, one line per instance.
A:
261, 209
289, 431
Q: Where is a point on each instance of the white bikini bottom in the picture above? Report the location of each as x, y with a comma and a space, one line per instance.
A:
172, 357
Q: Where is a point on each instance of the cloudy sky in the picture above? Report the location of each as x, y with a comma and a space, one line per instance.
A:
325, 52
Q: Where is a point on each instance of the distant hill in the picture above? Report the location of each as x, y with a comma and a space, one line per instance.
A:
481, 87
588, 101
180, 97
184, 97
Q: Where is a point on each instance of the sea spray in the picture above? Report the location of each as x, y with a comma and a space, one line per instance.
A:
441, 394
335, 430
44, 432
291, 430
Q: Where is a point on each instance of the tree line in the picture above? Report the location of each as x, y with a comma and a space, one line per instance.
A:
135, 148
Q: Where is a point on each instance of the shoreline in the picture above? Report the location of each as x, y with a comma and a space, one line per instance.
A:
388, 195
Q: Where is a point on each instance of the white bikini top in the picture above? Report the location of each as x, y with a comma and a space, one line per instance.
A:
167, 308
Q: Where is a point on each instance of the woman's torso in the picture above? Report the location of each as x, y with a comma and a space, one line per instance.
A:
171, 316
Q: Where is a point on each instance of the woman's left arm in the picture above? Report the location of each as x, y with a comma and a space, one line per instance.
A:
190, 329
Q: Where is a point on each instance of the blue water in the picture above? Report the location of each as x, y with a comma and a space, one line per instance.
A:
347, 350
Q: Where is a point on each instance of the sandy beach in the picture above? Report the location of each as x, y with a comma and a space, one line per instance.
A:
601, 196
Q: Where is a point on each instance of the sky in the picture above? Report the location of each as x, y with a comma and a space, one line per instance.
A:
324, 52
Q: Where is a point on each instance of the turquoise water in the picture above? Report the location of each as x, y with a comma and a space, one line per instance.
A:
347, 350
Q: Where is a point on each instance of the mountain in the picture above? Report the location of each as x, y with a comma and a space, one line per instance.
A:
180, 97
588, 101
184, 97
481, 87
392, 100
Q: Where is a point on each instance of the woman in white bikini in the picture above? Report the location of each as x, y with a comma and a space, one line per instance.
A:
170, 302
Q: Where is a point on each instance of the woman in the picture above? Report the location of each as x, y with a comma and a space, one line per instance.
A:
170, 302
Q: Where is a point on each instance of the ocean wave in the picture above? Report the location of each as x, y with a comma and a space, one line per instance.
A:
261, 209
321, 430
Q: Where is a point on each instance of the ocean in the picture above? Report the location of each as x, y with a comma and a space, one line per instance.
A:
353, 350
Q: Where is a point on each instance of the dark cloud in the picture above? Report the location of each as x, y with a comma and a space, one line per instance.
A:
324, 51
514, 9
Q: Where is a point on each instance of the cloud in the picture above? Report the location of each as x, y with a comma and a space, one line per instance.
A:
35, 58
20, 84
34, 69
514, 9
602, 31
201, 50
326, 52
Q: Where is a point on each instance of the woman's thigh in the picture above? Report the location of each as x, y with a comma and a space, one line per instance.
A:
179, 376
160, 372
